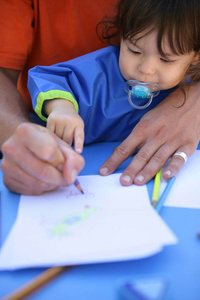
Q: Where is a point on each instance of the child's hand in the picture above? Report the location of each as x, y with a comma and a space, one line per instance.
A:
65, 122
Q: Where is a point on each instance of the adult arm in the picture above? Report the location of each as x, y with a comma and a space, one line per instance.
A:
34, 160
167, 128
14, 110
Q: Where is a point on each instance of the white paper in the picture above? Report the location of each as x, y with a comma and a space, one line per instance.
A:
108, 222
185, 191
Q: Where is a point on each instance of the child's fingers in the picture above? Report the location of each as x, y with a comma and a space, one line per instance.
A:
79, 137
55, 126
51, 125
68, 135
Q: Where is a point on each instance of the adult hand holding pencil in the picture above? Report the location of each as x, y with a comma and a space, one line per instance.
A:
59, 164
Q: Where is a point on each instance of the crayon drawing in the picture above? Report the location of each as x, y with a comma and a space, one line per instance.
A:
105, 224
76, 192
62, 227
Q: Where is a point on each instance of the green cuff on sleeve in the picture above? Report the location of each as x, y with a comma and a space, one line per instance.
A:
52, 94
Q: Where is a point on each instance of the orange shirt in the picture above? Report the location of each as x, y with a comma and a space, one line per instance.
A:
44, 32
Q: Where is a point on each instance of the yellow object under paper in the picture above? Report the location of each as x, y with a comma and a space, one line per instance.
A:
156, 188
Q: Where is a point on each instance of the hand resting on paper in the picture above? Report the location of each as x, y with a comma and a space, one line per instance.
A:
169, 127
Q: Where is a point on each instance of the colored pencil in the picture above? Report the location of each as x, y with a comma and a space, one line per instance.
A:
156, 188
37, 283
164, 194
77, 184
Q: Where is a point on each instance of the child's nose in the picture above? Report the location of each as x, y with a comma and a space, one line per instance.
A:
147, 66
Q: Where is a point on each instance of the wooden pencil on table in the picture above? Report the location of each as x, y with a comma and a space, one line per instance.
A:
37, 283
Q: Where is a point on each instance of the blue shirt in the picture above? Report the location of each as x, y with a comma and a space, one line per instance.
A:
95, 85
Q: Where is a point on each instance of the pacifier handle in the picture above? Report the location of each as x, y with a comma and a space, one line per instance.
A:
141, 90
139, 106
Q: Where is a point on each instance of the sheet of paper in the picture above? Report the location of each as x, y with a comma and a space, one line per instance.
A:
108, 222
186, 188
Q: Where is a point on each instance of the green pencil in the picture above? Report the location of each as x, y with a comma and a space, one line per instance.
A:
155, 195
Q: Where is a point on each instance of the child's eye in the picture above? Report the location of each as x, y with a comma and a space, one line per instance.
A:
166, 61
134, 52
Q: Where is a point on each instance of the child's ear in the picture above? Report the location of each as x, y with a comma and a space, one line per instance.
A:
195, 59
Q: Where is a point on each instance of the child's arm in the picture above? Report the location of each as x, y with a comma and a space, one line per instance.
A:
65, 122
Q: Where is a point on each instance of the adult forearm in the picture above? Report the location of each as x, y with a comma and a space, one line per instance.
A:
14, 110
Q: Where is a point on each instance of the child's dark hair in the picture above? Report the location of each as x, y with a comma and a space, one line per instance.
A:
178, 20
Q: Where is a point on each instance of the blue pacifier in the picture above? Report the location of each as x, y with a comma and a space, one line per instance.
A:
140, 94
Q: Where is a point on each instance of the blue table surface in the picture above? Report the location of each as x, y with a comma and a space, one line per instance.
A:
179, 264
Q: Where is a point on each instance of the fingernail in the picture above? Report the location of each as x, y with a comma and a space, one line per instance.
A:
168, 172
78, 150
74, 174
140, 178
126, 178
103, 171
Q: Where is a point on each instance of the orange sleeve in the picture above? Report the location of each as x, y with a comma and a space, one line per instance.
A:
16, 30
44, 32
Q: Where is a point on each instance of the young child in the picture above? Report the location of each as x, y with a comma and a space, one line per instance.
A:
158, 50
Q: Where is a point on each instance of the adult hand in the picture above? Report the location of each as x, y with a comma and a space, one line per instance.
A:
35, 161
170, 127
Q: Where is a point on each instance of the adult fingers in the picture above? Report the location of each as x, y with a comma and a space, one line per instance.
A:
22, 183
143, 166
177, 161
31, 158
74, 163
39, 141
136, 174
156, 161
119, 155
20, 163
137, 139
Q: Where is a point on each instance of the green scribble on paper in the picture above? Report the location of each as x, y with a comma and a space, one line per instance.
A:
61, 227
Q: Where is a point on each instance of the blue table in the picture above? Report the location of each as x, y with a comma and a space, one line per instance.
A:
179, 264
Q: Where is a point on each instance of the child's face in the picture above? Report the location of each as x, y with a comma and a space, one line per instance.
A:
140, 60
